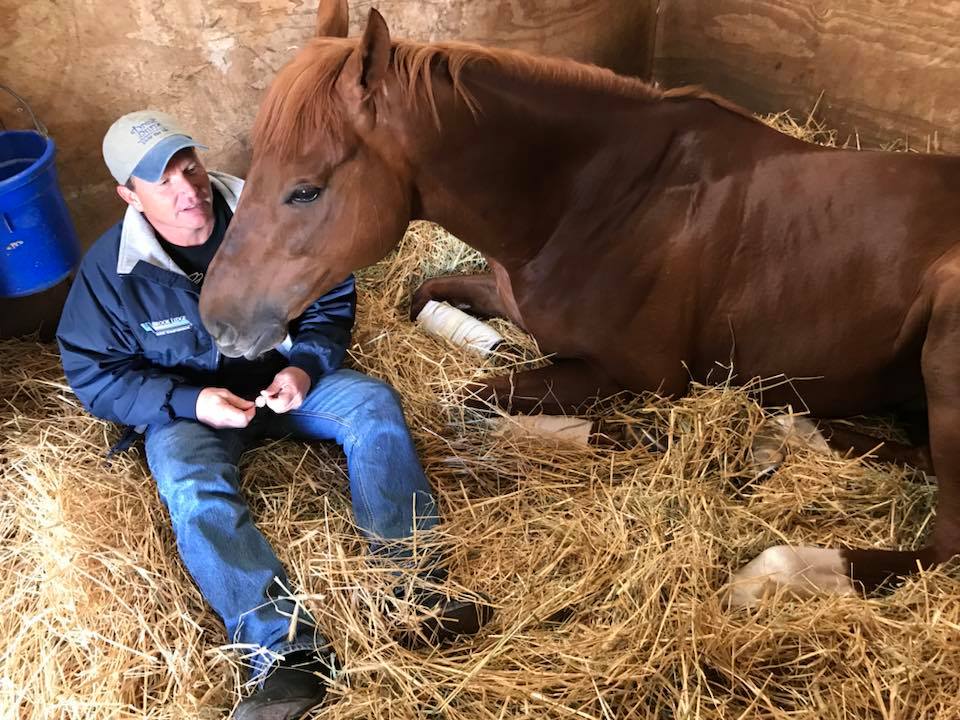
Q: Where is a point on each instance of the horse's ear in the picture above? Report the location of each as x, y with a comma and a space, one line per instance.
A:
374, 52
333, 18
366, 68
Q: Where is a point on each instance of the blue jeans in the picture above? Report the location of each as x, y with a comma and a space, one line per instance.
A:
237, 571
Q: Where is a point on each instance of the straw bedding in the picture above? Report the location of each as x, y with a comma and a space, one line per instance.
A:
606, 566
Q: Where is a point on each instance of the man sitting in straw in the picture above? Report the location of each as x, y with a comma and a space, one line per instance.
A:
135, 352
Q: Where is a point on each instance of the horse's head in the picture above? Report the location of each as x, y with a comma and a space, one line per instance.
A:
327, 192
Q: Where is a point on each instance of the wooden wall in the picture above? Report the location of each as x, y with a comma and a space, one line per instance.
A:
613, 33
83, 63
888, 69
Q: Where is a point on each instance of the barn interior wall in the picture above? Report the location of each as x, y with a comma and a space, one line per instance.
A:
82, 63
886, 69
882, 70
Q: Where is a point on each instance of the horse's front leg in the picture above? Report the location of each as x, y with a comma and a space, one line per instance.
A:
564, 387
475, 294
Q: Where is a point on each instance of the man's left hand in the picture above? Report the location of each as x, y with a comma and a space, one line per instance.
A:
287, 391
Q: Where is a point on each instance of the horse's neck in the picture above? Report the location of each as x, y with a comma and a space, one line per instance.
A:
536, 153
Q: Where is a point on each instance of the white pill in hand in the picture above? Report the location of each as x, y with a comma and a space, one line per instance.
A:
261, 401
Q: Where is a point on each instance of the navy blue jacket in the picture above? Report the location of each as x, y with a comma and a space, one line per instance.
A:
132, 344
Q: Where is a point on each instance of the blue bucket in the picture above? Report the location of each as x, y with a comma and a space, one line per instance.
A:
38, 244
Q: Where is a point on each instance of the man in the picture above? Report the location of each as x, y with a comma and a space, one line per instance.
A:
135, 352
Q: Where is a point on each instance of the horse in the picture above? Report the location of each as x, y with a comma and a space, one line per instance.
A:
644, 237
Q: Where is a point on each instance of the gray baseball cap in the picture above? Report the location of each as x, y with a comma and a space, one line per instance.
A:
141, 144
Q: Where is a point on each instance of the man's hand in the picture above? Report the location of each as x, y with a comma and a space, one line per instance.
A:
287, 391
220, 408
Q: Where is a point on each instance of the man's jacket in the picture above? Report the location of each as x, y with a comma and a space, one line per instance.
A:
132, 344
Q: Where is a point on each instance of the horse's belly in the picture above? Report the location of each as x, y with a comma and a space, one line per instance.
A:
853, 396
830, 374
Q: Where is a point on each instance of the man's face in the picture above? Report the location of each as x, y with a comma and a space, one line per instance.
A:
180, 200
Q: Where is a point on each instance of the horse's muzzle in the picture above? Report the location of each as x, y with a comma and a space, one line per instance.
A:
250, 344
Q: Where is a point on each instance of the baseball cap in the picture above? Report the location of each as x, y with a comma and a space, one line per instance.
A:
141, 144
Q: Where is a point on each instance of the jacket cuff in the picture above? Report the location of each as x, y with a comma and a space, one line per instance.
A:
183, 401
310, 364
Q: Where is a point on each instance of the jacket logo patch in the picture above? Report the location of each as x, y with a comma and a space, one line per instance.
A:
168, 326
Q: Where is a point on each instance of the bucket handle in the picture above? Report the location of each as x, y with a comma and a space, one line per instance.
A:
41, 128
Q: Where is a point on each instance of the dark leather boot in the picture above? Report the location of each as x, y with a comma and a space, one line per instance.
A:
447, 619
296, 686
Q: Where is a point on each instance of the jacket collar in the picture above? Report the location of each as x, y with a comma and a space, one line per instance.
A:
138, 241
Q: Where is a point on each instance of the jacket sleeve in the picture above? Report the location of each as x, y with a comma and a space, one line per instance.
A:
321, 335
103, 364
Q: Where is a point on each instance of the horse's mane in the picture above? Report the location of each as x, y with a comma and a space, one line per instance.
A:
300, 103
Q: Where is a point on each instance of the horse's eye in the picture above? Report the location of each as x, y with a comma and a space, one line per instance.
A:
305, 194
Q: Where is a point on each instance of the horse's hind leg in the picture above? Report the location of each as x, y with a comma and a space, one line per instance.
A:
844, 440
804, 570
475, 294
941, 379
566, 386
785, 431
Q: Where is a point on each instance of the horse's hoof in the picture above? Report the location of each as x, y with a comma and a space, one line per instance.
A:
800, 571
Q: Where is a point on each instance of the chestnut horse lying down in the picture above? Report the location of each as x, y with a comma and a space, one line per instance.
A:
646, 238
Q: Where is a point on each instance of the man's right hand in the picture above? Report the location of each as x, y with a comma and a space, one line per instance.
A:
220, 408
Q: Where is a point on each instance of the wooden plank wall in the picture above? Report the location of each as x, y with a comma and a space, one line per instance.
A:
613, 33
888, 69
83, 63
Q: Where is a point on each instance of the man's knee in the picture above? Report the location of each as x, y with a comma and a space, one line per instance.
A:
171, 440
380, 394
349, 406
378, 402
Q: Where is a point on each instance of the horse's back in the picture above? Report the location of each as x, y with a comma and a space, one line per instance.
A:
828, 271
783, 257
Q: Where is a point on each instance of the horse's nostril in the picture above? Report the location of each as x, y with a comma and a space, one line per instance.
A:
223, 333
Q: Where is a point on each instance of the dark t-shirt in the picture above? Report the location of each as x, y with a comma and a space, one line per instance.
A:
195, 260
246, 378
